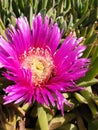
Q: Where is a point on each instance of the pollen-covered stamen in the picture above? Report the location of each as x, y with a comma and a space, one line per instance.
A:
40, 62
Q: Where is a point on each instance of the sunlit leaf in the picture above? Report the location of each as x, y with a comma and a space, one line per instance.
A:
42, 118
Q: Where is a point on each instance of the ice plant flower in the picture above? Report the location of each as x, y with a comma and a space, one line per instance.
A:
41, 70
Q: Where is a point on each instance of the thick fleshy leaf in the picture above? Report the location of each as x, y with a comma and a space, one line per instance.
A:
93, 71
42, 118
88, 83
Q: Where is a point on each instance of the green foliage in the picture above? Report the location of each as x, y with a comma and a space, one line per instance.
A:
80, 16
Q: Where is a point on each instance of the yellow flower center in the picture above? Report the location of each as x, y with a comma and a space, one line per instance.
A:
40, 62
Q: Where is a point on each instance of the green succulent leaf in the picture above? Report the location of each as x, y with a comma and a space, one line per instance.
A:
42, 118
88, 83
93, 71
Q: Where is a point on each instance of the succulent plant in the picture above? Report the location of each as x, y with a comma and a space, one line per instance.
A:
80, 17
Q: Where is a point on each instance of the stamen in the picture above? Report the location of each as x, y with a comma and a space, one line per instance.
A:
40, 62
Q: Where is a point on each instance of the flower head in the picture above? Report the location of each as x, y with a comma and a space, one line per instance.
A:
40, 70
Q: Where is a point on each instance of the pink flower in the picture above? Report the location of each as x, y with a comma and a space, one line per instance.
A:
41, 70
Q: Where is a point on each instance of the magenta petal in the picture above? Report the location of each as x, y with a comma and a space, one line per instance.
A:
45, 34
17, 94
